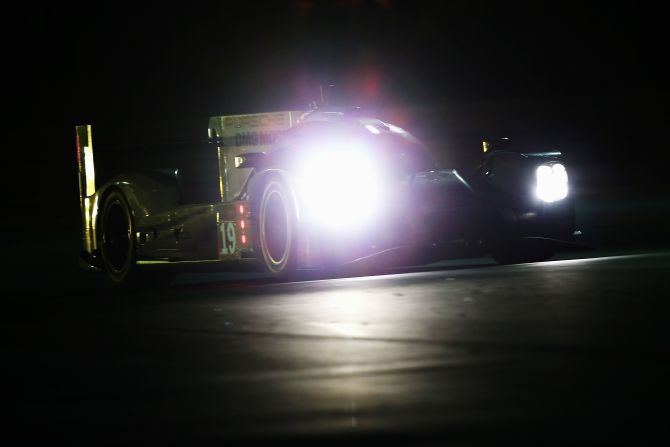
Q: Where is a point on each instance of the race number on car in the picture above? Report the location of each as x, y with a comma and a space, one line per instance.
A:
228, 238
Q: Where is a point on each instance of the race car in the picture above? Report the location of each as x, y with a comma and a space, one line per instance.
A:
299, 191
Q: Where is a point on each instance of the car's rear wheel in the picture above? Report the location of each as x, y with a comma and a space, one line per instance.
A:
276, 236
118, 239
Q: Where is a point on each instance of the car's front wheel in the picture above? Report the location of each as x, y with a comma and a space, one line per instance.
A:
276, 235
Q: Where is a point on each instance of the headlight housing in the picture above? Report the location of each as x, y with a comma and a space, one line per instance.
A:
552, 182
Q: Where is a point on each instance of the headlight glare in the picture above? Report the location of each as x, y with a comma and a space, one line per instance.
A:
552, 182
339, 188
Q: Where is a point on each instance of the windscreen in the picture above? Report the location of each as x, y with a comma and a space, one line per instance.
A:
387, 149
404, 156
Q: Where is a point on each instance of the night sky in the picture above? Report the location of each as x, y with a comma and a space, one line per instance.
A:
128, 68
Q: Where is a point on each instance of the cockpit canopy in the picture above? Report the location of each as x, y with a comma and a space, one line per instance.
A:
394, 149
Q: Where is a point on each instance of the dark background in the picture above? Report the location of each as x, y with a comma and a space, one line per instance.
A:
584, 77
580, 344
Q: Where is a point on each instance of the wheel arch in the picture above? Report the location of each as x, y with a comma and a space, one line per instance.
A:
258, 181
146, 193
103, 193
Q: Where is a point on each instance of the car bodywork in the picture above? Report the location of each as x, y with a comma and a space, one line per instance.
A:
340, 208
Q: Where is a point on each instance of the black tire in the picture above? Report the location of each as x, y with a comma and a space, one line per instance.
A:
519, 251
117, 242
275, 240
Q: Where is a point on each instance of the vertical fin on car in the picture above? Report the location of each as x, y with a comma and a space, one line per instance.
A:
86, 174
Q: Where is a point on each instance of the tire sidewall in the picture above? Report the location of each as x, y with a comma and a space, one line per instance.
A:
274, 189
122, 275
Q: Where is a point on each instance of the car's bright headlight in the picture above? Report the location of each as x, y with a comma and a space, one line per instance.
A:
339, 187
552, 182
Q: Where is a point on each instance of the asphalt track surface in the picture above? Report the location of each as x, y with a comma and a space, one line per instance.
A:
566, 352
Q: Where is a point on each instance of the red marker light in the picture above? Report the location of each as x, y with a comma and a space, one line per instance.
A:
244, 238
243, 224
242, 210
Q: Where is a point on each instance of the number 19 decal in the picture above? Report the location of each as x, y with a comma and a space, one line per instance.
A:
228, 238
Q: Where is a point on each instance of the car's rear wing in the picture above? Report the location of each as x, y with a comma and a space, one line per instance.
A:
86, 175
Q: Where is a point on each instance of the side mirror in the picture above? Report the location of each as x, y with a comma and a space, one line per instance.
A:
250, 160
214, 138
495, 144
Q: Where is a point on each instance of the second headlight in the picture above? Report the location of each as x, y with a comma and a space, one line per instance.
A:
552, 182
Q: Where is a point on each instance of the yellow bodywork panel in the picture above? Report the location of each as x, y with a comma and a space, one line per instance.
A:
86, 174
